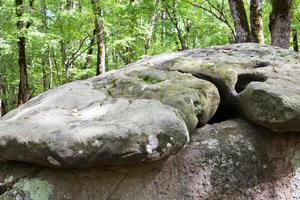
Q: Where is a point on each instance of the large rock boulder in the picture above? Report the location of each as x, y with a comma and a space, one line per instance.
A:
228, 160
159, 129
129, 116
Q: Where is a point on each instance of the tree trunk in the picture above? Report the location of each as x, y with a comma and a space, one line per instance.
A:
99, 32
2, 108
100, 69
45, 74
89, 55
295, 40
174, 19
238, 12
150, 29
257, 33
280, 22
163, 24
23, 84
3, 101
70, 4
63, 46
64, 59
180, 36
52, 51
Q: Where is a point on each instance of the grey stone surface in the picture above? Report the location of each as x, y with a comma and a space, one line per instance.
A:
77, 126
228, 160
157, 110
129, 116
261, 82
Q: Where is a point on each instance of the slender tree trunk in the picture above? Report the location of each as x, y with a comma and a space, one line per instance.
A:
63, 47
114, 56
79, 6
3, 102
174, 19
44, 76
150, 29
127, 59
180, 36
2, 108
46, 84
100, 69
187, 28
238, 12
70, 4
89, 55
295, 40
23, 84
257, 33
280, 22
163, 28
64, 58
52, 51
99, 32
50, 68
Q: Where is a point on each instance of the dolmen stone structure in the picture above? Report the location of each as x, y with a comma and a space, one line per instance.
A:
215, 123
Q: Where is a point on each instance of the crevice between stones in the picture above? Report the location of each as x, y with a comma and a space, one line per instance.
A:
246, 78
229, 104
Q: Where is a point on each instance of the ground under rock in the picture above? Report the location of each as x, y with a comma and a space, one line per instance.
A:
228, 160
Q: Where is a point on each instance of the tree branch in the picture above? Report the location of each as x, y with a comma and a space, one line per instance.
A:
217, 12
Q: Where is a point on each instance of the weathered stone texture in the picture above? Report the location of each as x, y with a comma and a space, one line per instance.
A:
228, 160
163, 128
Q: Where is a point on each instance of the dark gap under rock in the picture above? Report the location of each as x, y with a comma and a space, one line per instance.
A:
245, 79
228, 108
223, 114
